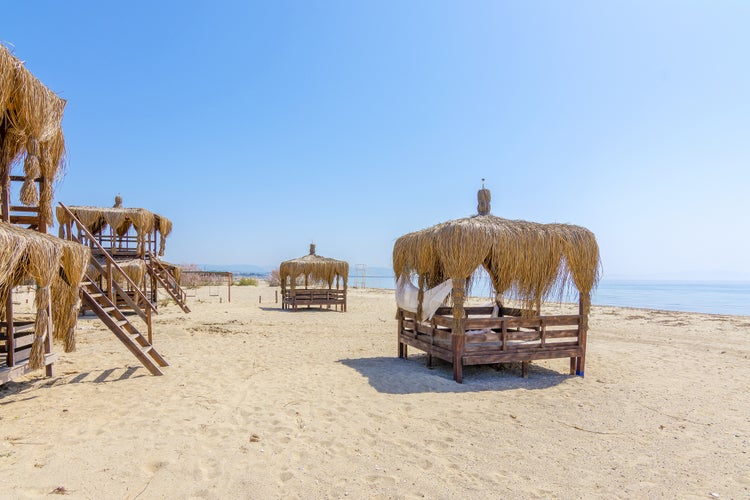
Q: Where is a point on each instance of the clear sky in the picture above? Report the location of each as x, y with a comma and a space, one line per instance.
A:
258, 127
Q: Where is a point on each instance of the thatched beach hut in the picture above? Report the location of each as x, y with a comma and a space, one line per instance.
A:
31, 134
122, 231
134, 238
317, 275
527, 261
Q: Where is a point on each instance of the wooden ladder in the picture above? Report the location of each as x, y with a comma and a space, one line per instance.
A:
124, 330
167, 281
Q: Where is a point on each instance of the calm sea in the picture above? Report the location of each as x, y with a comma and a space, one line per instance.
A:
710, 297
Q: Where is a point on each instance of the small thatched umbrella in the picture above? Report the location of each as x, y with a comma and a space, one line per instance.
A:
527, 260
313, 269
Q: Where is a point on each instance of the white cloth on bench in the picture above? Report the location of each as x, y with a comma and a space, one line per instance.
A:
407, 296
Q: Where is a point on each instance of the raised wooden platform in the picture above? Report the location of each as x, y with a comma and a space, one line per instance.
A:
489, 340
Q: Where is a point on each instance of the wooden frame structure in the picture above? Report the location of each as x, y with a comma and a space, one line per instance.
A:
135, 238
311, 270
193, 278
526, 260
31, 133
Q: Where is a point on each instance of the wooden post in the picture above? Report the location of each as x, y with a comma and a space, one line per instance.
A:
229, 288
48, 340
9, 339
148, 325
584, 307
399, 329
276, 295
10, 334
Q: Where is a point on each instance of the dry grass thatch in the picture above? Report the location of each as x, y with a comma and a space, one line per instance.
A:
314, 269
529, 261
120, 220
30, 128
135, 269
57, 266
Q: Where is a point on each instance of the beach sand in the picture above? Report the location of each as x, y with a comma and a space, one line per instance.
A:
263, 403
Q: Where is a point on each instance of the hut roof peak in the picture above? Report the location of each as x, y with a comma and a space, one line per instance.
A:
483, 200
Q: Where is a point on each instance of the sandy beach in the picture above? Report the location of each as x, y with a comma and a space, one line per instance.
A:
263, 403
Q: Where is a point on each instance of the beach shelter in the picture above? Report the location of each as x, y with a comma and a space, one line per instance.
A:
134, 238
31, 136
316, 275
527, 261
131, 232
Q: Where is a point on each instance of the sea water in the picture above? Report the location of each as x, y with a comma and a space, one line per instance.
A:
711, 297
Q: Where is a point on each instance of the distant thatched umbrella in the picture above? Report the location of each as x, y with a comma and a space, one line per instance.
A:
120, 219
531, 261
314, 269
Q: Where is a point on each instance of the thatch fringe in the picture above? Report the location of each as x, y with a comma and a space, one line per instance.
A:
65, 296
135, 269
57, 266
527, 261
121, 220
314, 269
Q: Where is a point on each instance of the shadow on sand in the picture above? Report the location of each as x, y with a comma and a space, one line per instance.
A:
108, 376
411, 376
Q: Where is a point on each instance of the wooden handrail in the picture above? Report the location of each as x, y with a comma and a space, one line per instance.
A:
109, 258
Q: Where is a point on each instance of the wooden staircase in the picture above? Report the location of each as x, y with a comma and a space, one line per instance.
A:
124, 330
167, 280
104, 303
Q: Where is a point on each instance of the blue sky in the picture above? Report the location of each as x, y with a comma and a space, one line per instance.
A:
260, 127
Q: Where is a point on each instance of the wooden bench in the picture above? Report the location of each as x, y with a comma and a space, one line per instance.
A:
293, 299
488, 340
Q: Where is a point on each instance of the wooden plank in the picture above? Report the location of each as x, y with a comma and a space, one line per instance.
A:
24, 339
9, 373
556, 334
435, 350
523, 335
509, 357
562, 320
24, 219
21, 208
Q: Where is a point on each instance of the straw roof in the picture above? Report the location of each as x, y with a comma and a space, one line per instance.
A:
527, 260
30, 128
57, 266
121, 220
314, 268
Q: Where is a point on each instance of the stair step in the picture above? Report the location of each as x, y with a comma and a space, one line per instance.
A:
122, 322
